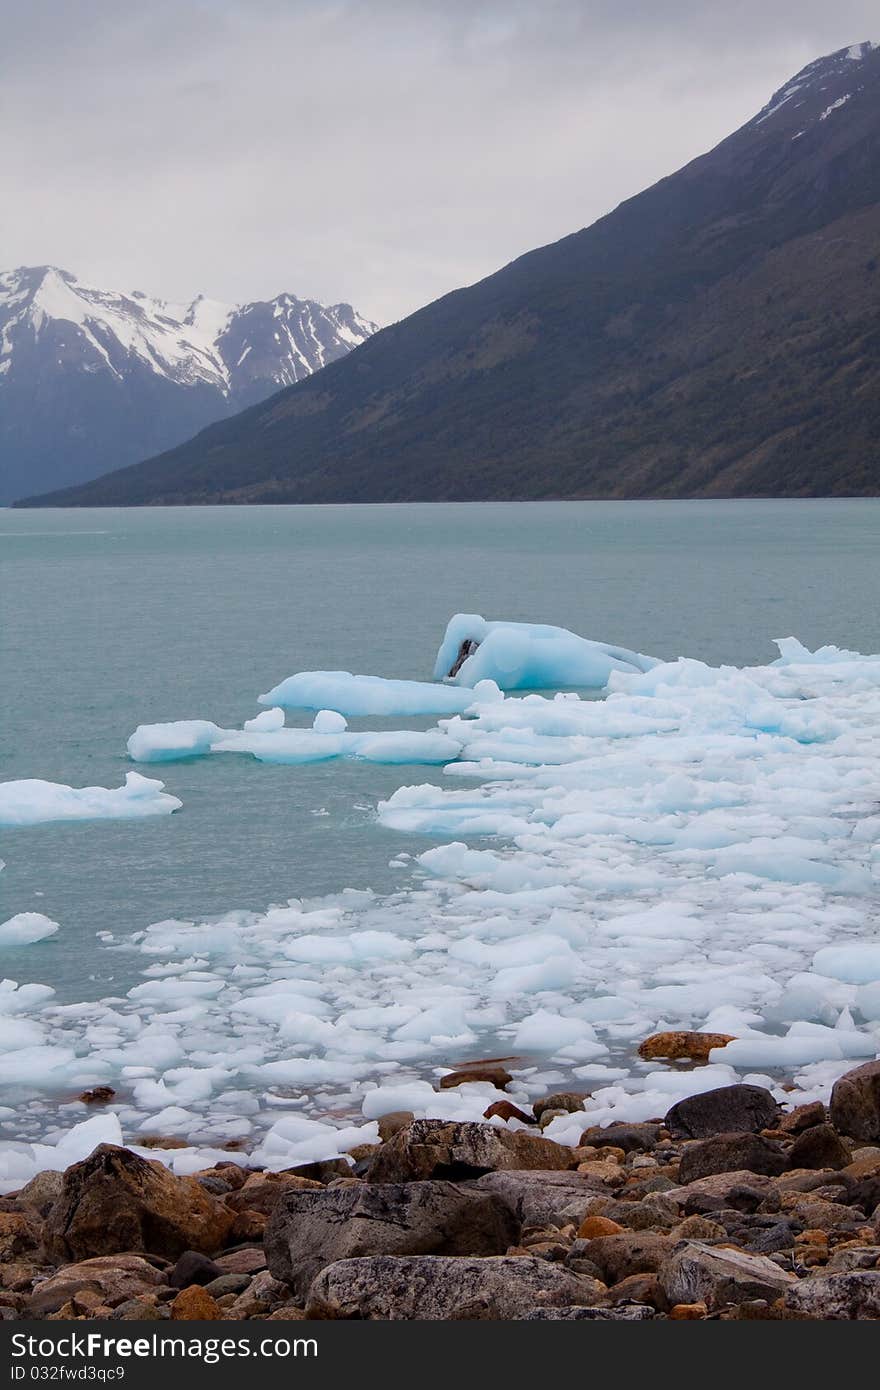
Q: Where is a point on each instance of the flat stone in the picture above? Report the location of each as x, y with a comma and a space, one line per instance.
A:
630, 1138
506, 1110
437, 1287
193, 1268
803, 1117
245, 1261
494, 1074
725, 1110
115, 1278
682, 1046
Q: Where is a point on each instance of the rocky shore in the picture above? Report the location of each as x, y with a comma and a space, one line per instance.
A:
727, 1207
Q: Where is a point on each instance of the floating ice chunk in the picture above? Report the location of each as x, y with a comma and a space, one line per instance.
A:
271, 742
165, 743
34, 802
25, 928
359, 695
267, 723
519, 656
855, 962
327, 721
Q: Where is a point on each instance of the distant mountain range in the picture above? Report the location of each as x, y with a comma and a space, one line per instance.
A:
91, 379
717, 335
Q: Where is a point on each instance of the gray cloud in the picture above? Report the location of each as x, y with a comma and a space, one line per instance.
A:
380, 151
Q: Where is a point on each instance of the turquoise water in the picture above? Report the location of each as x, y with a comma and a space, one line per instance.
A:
112, 618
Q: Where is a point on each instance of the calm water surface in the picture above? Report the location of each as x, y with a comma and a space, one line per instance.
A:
111, 618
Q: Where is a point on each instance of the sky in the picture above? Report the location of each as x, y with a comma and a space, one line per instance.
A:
379, 152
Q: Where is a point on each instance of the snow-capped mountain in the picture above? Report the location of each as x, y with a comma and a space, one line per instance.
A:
92, 379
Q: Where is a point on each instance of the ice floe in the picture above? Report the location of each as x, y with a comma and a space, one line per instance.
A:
25, 928
266, 739
699, 849
364, 695
34, 802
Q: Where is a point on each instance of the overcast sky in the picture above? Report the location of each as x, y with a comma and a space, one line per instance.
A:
376, 151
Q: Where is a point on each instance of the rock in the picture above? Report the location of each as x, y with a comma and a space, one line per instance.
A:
506, 1110
262, 1191
855, 1102
391, 1124
195, 1304
656, 1212
19, 1236
803, 1117
631, 1252
687, 1312
136, 1310
289, 1313
492, 1073
263, 1292
459, 1150
693, 1047
853, 1257
193, 1268
726, 1110
820, 1146
99, 1095
247, 1226
740, 1192
567, 1102
727, 1153
162, 1141
114, 1278
436, 1287
632, 1312
630, 1138
698, 1273
245, 1261
41, 1192
640, 1289
308, 1231
853, 1296
593, 1226
539, 1198
116, 1201
698, 1228
322, 1172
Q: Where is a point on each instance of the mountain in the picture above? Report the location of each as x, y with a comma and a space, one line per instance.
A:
717, 335
91, 379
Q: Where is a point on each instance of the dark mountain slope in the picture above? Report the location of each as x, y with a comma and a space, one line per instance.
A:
716, 335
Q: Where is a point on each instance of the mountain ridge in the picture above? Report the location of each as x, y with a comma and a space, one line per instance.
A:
88, 371
715, 335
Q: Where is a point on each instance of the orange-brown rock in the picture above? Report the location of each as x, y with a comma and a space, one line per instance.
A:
593, 1226
682, 1046
116, 1201
195, 1304
687, 1312
506, 1110
99, 1095
496, 1075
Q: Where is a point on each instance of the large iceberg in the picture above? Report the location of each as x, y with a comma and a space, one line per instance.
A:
354, 695
33, 802
523, 656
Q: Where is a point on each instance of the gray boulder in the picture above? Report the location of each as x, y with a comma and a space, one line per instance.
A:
725, 1110
436, 1287
459, 1150
699, 1273
541, 1198
851, 1297
309, 1230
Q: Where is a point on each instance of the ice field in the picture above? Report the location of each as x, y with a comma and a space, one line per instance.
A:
697, 849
